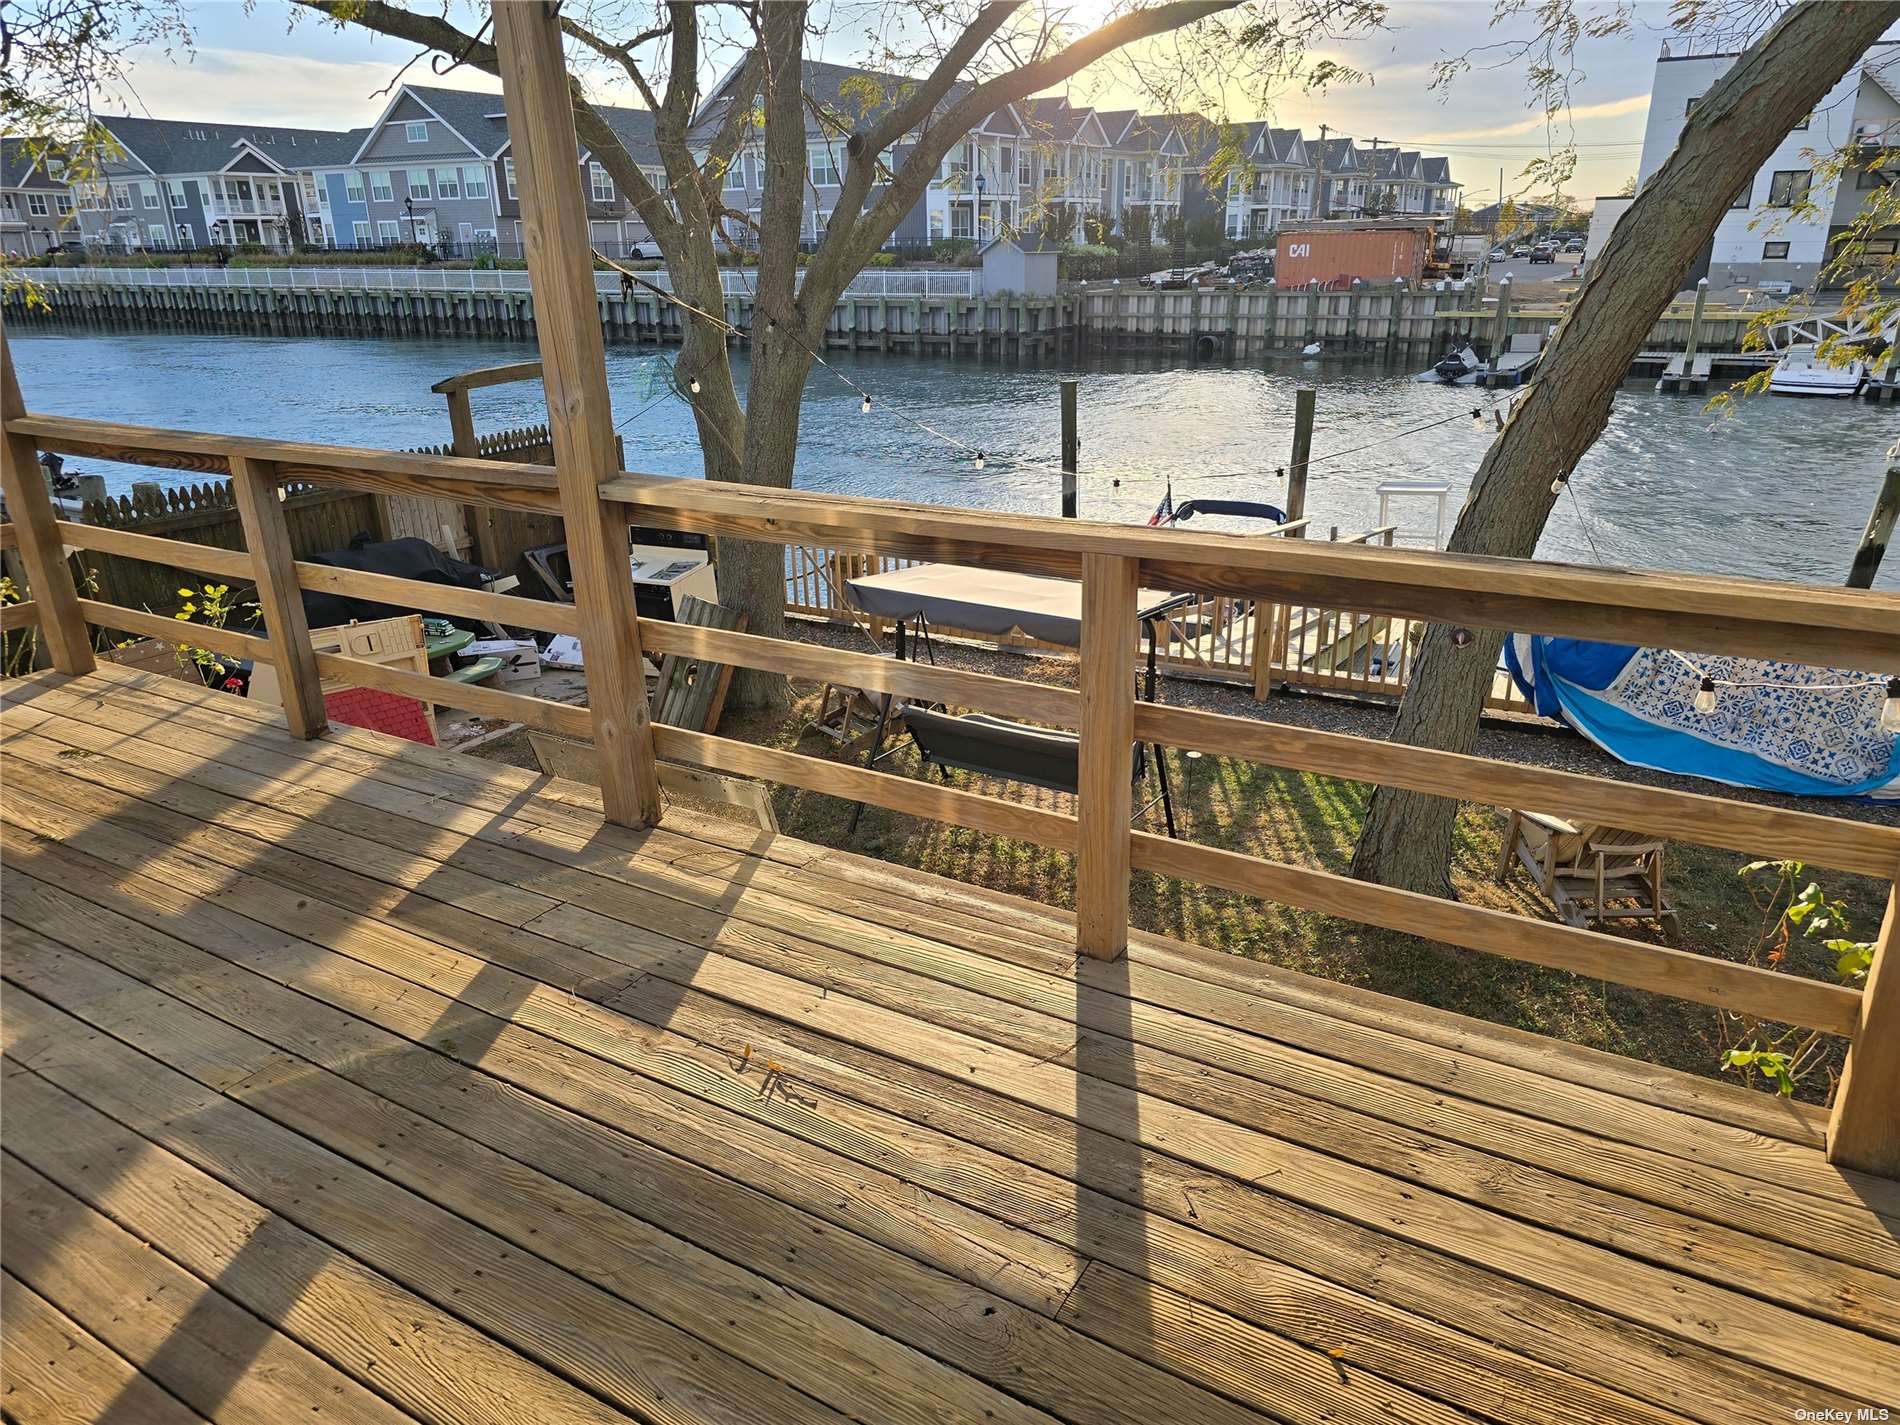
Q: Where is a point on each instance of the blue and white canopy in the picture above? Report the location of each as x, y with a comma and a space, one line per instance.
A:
1784, 727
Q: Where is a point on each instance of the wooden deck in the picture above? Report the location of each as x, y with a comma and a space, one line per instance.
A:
354, 1078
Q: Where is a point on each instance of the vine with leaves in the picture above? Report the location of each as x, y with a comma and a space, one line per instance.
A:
1793, 909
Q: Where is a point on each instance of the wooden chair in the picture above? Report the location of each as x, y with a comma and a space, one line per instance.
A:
1583, 868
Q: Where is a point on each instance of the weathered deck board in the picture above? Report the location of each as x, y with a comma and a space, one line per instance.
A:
389, 1014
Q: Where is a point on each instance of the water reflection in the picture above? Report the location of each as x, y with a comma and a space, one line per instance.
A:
1780, 489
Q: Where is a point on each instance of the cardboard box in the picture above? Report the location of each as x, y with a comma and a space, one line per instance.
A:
520, 659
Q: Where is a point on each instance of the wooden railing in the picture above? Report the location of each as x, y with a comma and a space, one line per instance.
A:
1857, 630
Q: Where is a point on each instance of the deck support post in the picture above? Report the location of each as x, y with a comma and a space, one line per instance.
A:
580, 418
274, 567
1864, 1131
1104, 798
30, 508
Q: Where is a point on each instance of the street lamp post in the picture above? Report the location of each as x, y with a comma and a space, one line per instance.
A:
981, 183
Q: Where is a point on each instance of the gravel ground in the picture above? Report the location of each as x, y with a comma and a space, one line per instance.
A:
1508, 739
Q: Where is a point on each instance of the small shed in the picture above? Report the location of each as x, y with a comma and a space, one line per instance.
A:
1026, 267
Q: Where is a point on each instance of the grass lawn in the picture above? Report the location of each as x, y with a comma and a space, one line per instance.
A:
1312, 821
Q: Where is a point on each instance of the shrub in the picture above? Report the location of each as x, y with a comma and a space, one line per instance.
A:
1087, 262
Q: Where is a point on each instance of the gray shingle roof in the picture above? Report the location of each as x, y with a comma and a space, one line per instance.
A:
1053, 119
191, 146
16, 163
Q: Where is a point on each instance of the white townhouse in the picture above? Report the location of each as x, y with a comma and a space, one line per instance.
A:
1781, 227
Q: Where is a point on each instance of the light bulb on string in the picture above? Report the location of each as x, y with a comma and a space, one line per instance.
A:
1557, 486
978, 462
1477, 418
865, 405
1890, 709
1705, 696
693, 385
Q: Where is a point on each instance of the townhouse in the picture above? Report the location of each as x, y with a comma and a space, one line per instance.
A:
172, 183
437, 169
1785, 223
36, 203
1284, 176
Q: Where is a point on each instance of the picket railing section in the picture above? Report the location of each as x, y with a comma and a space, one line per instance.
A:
738, 282
1853, 628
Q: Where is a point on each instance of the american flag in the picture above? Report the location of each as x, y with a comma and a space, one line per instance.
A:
1164, 512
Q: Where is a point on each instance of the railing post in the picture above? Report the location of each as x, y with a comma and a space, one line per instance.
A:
580, 419
1105, 776
1864, 1132
31, 509
274, 566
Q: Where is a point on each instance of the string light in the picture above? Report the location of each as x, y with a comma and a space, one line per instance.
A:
1890, 709
1557, 486
1705, 696
1477, 418
693, 385
979, 460
865, 407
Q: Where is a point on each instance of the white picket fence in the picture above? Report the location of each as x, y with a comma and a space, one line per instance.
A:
875, 282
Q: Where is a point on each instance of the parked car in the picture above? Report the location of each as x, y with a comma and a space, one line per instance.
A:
1498, 254
1520, 252
1574, 245
1543, 254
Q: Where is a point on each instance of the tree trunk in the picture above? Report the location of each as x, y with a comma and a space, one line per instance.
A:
1407, 837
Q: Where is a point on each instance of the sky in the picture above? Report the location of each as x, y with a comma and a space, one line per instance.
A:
252, 63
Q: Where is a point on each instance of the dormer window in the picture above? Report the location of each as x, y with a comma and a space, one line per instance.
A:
416, 131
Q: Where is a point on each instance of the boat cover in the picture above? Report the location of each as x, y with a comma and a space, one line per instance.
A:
989, 601
1798, 734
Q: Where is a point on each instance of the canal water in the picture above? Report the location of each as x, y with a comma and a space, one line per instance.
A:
1779, 489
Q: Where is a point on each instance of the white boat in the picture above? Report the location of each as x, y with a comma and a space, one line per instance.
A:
1801, 372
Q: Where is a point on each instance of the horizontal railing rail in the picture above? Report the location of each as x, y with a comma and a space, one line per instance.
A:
1857, 629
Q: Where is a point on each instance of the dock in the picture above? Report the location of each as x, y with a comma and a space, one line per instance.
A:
1687, 373
359, 1073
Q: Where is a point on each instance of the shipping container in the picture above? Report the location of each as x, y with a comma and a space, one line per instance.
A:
1338, 252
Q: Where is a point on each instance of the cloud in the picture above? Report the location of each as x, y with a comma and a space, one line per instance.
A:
1534, 123
250, 86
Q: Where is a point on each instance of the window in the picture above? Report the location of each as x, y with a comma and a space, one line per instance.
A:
1880, 247
1865, 178
416, 131
600, 184
184, 236
508, 175
1745, 197
1789, 187
961, 221
36, 204
1806, 120
148, 195
419, 185
824, 166
1023, 180
735, 174
1774, 252
64, 203
353, 187
361, 232
379, 188
160, 237
388, 231
1689, 108
122, 197
475, 182
448, 183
